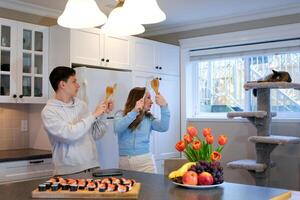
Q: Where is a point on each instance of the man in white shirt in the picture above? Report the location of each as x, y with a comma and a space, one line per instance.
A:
71, 129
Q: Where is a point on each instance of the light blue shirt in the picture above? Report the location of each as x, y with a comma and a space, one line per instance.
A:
136, 142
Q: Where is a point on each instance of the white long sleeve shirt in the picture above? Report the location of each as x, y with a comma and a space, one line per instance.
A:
72, 132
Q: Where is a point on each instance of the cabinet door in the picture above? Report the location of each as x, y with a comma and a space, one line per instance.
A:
117, 52
33, 62
8, 46
144, 55
167, 59
85, 46
165, 141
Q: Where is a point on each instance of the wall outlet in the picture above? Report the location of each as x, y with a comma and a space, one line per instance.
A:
24, 125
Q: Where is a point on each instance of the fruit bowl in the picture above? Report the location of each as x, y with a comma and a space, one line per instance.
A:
197, 186
200, 174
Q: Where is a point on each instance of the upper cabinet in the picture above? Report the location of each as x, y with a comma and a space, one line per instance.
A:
155, 57
88, 47
24, 62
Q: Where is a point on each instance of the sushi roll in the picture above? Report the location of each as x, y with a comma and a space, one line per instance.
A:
111, 187
81, 184
115, 180
64, 186
102, 187
48, 185
123, 188
54, 187
91, 186
73, 187
106, 180
71, 181
42, 187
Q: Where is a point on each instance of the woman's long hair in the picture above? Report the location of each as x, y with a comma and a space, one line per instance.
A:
135, 94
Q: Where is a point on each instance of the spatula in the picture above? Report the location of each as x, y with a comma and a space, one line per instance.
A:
110, 91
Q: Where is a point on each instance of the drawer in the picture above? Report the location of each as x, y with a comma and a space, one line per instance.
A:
25, 170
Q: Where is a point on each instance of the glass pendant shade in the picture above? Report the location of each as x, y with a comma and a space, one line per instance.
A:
145, 11
81, 14
120, 24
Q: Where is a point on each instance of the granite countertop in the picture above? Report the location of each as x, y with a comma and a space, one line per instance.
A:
24, 154
155, 186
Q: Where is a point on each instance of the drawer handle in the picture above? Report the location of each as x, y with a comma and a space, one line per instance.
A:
36, 162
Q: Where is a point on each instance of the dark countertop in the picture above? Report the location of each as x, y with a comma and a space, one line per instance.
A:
24, 154
154, 186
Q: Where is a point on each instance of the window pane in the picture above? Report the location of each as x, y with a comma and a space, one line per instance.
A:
282, 100
38, 86
38, 64
5, 60
26, 63
220, 84
26, 86
4, 85
27, 41
5, 36
38, 41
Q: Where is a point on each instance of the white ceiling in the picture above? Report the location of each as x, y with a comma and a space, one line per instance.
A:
181, 14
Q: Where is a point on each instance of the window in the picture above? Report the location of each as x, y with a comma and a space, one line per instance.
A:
216, 84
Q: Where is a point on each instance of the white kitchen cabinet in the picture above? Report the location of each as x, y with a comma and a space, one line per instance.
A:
25, 170
163, 143
88, 47
155, 57
24, 62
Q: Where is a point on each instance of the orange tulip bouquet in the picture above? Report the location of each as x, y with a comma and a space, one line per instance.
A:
203, 167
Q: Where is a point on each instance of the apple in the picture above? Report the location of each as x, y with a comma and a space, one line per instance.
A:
190, 178
205, 178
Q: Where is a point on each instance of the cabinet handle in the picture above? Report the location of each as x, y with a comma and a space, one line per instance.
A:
160, 67
21, 96
36, 161
156, 67
159, 78
14, 96
102, 59
107, 60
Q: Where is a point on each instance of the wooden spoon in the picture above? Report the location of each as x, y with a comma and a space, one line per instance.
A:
155, 85
110, 91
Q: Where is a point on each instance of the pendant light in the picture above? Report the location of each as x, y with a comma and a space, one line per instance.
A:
120, 23
81, 14
145, 11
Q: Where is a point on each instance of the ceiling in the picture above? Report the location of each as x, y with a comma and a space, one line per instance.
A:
182, 15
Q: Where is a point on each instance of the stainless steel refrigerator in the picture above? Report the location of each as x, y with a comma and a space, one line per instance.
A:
93, 82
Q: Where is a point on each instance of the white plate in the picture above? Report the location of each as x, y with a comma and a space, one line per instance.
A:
197, 186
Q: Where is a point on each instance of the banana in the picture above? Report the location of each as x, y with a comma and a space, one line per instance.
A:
179, 172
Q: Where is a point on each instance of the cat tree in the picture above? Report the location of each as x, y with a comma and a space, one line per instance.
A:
264, 141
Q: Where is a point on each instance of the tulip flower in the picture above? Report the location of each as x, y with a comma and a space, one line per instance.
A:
187, 138
209, 139
206, 132
180, 146
192, 131
215, 156
196, 145
222, 140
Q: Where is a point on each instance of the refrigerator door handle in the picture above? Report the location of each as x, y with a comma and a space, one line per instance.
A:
84, 91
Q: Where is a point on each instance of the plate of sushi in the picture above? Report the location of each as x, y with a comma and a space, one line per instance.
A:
59, 187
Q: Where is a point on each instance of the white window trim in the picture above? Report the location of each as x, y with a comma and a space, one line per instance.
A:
240, 37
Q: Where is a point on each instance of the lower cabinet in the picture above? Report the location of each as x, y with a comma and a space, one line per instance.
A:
25, 170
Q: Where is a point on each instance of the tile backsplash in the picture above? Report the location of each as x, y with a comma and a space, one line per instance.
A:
11, 136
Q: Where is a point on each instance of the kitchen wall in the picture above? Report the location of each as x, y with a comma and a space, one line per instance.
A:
286, 174
11, 136
173, 38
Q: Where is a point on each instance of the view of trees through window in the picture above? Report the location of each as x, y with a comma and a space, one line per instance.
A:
220, 83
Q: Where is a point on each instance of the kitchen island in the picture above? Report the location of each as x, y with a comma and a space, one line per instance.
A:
155, 186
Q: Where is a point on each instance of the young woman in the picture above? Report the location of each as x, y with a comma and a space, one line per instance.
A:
134, 126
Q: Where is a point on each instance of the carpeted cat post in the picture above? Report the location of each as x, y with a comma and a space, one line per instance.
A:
264, 141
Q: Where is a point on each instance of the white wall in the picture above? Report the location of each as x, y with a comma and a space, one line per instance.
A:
38, 138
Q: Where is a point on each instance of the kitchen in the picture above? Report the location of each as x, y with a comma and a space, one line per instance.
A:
146, 58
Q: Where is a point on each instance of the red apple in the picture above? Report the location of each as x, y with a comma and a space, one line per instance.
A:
205, 178
190, 178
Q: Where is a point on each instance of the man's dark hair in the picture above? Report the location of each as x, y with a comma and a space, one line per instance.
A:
60, 73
